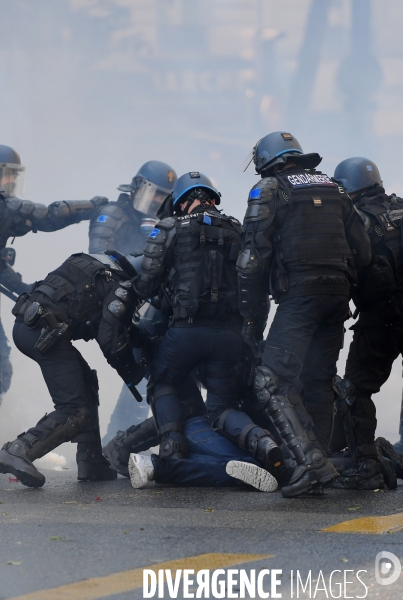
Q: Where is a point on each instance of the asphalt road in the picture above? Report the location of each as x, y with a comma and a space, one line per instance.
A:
70, 531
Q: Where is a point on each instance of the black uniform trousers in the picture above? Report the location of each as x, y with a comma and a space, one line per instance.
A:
377, 342
70, 381
220, 351
304, 342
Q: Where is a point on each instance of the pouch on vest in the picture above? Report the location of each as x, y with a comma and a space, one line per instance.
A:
212, 292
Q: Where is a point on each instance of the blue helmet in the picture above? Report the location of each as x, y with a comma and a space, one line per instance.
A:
277, 148
150, 186
356, 174
191, 181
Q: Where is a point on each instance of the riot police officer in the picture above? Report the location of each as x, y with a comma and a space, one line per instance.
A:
125, 225
303, 241
192, 255
87, 297
17, 218
378, 333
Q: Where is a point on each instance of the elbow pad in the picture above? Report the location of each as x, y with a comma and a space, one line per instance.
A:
155, 250
260, 201
74, 211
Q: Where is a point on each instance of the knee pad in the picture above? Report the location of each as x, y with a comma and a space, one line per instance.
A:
265, 385
173, 443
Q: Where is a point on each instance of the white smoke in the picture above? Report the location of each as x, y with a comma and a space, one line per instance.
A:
94, 88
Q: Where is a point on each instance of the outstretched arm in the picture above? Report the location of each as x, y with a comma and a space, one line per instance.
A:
30, 216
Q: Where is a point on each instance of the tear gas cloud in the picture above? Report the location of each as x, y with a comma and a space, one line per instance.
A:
94, 88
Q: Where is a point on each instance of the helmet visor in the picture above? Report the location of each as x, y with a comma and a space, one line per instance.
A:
250, 157
12, 179
149, 198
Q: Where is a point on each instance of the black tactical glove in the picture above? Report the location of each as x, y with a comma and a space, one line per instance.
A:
13, 281
136, 377
99, 201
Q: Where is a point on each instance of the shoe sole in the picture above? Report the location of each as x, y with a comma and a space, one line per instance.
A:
22, 476
313, 488
136, 478
345, 484
252, 475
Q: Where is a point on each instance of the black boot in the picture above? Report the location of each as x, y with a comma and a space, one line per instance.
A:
389, 452
313, 469
14, 459
51, 431
346, 464
92, 465
136, 439
310, 477
365, 475
265, 449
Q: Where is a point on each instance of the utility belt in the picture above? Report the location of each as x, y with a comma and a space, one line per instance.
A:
35, 314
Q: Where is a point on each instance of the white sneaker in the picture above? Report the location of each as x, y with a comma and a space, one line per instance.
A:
141, 470
252, 475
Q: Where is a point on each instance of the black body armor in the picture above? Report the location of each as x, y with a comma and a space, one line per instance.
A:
195, 256
118, 225
87, 297
302, 236
312, 233
383, 216
204, 258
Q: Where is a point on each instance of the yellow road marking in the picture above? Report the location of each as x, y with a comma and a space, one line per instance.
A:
126, 581
372, 525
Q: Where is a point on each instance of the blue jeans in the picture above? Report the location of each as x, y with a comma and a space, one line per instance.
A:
209, 452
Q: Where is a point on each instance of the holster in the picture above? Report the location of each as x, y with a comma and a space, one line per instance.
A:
49, 336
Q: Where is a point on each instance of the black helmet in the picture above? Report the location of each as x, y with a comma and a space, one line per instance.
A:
11, 172
150, 186
356, 174
191, 181
277, 148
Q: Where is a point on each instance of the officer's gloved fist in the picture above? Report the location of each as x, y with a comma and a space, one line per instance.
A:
136, 377
139, 372
99, 201
248, 334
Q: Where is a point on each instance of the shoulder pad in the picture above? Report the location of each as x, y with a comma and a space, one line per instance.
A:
109, 212
263, 191
260, 201
167, 223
